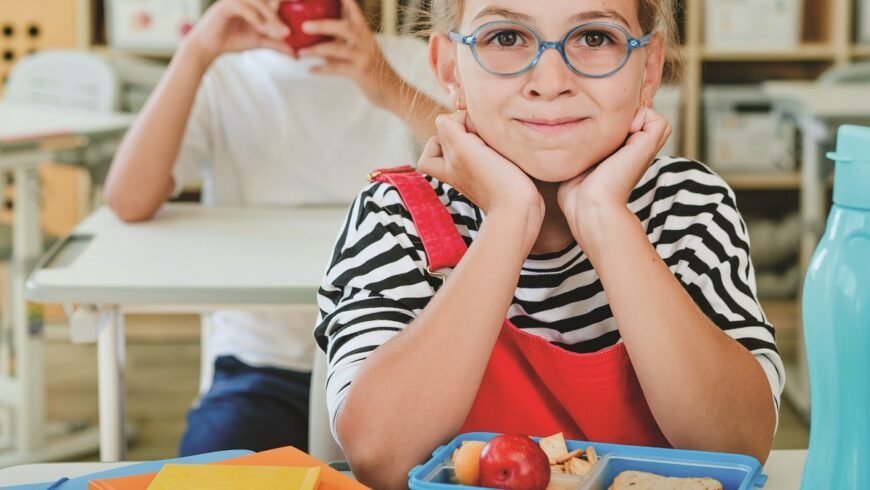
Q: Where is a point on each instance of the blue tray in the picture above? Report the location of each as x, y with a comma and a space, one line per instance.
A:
734, 471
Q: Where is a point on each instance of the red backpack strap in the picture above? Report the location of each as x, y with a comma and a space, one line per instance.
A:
442, 242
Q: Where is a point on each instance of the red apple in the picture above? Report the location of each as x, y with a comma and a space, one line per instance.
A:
294, 13
514, 462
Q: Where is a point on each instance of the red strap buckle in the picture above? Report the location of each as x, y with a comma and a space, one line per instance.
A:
394, 170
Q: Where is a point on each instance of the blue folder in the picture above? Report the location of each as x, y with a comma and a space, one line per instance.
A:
81, 482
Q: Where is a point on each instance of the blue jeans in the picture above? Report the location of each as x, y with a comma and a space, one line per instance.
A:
249, 408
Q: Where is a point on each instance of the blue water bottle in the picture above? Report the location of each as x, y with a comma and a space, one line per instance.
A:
836, 317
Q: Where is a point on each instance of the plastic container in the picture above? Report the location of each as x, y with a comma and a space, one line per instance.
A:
734, 471
836, 319
753, 25
742, 135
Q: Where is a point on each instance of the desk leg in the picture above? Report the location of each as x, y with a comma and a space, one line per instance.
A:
111, 362
27, 332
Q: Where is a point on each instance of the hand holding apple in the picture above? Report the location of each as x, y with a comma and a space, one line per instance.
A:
237, 25
354, 53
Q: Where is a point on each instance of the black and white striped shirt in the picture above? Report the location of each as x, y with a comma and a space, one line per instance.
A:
376, 283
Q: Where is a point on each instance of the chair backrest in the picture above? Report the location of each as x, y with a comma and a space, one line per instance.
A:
852, 73
321, 444
65, 79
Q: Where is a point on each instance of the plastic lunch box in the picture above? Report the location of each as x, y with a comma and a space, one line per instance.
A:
734, 471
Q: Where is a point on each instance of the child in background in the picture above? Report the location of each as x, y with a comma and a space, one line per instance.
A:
547, 273
260, 129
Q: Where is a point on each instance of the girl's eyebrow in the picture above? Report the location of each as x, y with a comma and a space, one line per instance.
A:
579, 18
598, 15
502, 12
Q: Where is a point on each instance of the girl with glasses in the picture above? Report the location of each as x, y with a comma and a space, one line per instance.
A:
544, 271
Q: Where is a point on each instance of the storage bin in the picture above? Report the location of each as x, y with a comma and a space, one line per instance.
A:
741, 133
752, 24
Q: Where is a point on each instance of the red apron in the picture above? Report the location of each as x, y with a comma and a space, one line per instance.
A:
531, 386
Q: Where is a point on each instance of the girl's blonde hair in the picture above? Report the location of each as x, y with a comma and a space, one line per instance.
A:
654, 15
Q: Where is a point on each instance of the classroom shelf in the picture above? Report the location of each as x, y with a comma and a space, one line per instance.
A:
805, 52
763, 181
861, 51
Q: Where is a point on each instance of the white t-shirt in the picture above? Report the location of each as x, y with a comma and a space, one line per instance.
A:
265, 132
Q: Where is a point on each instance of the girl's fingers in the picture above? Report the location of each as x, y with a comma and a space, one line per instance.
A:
272, 24
353, 12
451, 127
277, 45
469, 124
638, 122
433, 148
332, 50
454, 122
250, 16
339, 28
333, 67
432, 160
667, 134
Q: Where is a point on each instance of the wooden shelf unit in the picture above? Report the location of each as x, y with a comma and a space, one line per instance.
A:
827, 40
763, 181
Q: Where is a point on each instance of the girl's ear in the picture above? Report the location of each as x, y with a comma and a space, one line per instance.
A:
442, 60
653, 69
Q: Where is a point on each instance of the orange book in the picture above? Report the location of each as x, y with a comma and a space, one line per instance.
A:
330, 479
234, 477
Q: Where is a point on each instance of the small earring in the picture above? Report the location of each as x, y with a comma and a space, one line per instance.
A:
460, 104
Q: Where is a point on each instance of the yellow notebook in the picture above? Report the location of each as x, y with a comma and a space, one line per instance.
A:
226, 477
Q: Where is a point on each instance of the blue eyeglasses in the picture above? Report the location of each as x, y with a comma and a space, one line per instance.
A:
508, 48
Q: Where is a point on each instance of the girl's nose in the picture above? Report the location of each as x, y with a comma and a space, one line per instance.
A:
551, 77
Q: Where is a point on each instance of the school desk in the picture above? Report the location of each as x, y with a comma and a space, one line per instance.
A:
783, 468
188, 259
29, 135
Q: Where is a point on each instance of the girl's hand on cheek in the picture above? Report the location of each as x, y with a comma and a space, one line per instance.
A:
608, 185
459, 157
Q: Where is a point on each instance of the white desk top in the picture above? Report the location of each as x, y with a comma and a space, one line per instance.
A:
26, 122
784, 469
839, 101
193, 255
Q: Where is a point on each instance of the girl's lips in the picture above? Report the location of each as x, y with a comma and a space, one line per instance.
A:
552, 126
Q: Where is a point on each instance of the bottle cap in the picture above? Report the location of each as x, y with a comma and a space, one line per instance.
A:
852, 170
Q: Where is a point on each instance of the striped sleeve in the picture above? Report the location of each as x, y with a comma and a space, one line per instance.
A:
374, 287
704, 241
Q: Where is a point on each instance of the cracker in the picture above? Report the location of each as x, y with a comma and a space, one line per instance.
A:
577, 466
554, 447
573, 454
591, 455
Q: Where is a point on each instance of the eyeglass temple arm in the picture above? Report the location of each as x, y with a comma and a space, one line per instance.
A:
643, 41
459, 38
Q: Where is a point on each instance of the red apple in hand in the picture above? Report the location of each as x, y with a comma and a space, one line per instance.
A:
514, 462
294, 13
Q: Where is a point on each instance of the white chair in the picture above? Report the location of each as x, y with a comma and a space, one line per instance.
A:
321, 444
76, 80
852, 73
66, 80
